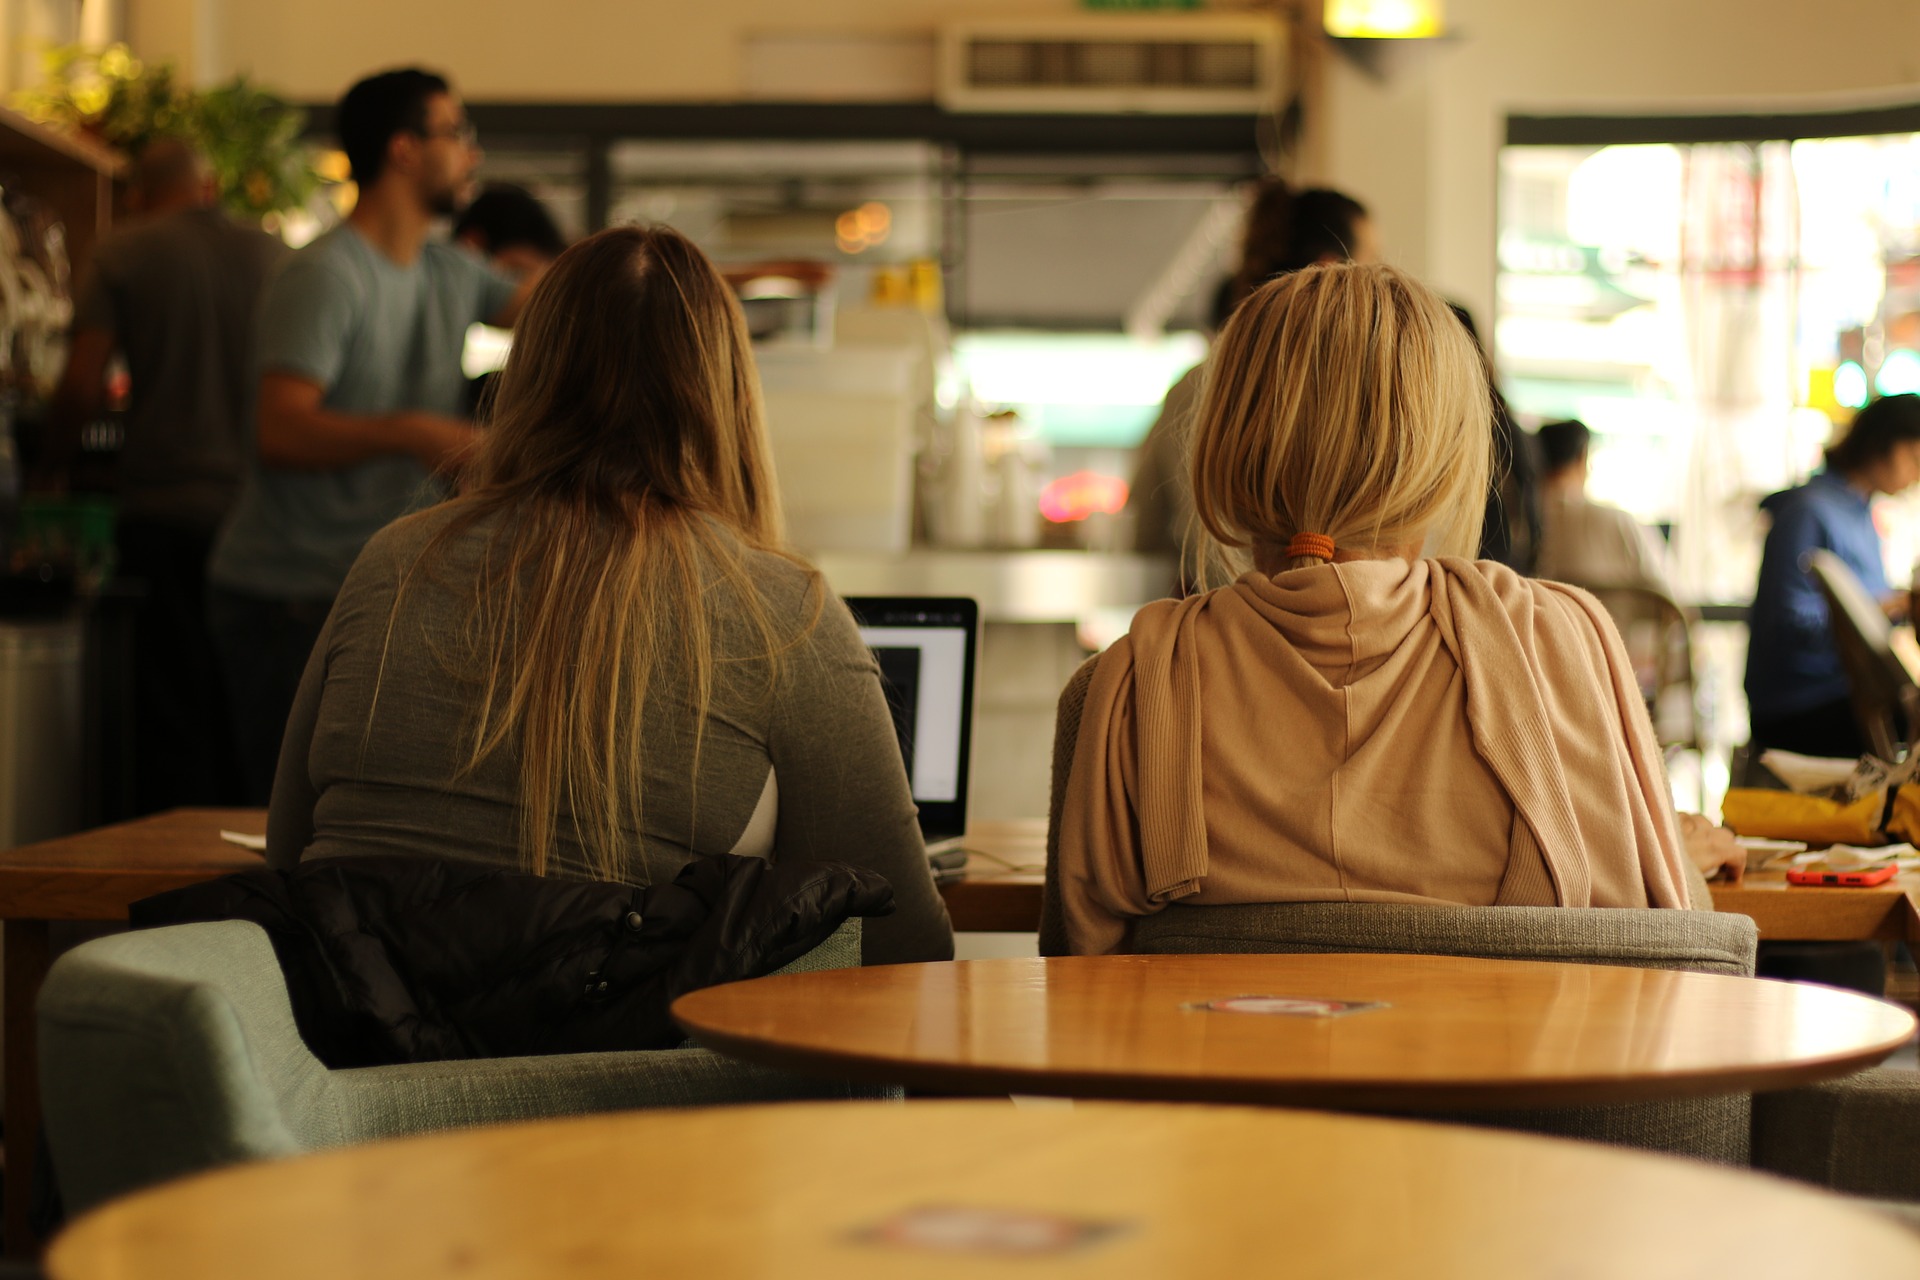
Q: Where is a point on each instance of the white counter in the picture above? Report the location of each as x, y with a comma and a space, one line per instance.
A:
1011, 586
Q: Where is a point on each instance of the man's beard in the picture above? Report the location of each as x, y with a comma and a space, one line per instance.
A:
446, 202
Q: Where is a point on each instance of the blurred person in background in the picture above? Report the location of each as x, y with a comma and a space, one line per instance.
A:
362, 397
1510, 529
1285, 231
1588, 543
508, 227
174, 294
1797, 691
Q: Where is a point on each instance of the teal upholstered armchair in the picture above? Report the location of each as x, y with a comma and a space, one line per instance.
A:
167, 1051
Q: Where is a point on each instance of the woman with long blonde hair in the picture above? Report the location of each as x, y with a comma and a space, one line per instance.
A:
1365, 714
600, 661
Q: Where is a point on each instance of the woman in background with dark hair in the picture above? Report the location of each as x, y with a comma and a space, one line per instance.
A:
514, 232
1510, 532
508, 226
1796, 688
1286, 230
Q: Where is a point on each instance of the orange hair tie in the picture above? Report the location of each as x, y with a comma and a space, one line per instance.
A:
1317, 545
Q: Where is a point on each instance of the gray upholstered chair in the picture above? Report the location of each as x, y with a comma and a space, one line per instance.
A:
1696, 941
167, 1051
1658, 633
1859, 1135
1708, 1128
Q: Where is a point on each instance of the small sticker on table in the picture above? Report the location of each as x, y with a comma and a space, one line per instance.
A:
1286, 1006
1007, 1233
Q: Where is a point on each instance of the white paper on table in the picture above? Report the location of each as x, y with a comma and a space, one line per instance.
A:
1846, 857
1763, 853
1806, 774
256, 843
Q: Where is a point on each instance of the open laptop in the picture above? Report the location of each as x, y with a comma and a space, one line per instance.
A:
925, 646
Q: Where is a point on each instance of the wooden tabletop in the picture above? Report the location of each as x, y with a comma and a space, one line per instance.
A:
1453, 1033
1001, 890
95, 875
861, 1190
1807, 913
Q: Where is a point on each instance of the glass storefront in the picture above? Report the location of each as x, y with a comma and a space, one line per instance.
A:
1714, 312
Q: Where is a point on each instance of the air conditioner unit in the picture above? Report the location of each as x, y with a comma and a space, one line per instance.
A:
1094, 64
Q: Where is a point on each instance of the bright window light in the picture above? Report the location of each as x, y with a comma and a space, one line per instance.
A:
1850, 386
1099, 390
485, 351
1899, 374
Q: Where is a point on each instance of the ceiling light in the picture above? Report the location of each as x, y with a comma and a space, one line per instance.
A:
1384, 19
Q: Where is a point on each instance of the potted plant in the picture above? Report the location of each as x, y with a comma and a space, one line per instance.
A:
251, 136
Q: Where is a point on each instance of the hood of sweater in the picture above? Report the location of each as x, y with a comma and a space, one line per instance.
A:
1343, 620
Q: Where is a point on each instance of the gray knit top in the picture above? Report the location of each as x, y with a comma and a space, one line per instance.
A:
806, 767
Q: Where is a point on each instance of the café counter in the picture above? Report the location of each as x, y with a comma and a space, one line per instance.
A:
1011, 586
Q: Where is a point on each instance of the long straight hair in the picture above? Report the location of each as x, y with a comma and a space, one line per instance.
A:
1343, 400
628, 460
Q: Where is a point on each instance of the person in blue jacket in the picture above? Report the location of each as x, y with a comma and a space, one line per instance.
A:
1796, 688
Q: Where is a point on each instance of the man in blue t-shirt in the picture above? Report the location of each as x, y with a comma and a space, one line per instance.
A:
361, 395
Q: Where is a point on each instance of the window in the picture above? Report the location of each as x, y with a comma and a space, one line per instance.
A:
1713, 311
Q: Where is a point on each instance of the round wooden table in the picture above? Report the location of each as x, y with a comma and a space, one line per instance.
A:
1446, 1033
945, 1189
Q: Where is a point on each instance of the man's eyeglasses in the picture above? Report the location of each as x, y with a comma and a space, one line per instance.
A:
463, 133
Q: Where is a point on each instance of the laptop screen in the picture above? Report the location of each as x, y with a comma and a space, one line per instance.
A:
925, 648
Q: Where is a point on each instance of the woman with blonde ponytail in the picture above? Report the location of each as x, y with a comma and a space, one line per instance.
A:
1285, 231
600, 661
1364, 715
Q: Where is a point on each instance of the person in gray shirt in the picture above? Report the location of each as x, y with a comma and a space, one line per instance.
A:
361, 394
174, 294
600, 660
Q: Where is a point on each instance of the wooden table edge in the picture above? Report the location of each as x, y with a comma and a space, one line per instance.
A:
232, 1184
1482, 1095
1001, 902
90, 894
992, 904
1895, 916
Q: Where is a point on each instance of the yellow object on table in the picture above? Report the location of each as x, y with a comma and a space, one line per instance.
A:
1904, 822
1784, 815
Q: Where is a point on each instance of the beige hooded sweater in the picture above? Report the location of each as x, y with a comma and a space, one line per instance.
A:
1438, 731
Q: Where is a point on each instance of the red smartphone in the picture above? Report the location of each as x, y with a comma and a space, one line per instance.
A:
1854, 879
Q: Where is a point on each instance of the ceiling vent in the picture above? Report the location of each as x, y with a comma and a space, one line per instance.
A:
1188, 64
